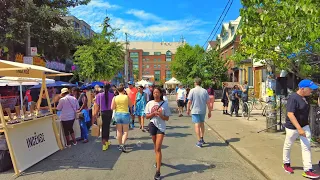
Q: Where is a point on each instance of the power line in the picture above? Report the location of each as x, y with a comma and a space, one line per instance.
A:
222, 20
218, 21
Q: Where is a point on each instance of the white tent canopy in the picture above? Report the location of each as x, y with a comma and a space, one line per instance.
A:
173, 81
143, 83
22, 81
17, 81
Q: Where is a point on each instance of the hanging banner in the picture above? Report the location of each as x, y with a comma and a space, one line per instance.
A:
56, 65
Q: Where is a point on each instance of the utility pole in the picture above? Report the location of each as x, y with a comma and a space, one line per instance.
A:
28, 53
126, 74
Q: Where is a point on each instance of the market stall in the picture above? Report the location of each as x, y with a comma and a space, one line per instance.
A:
171, 84
32, 136
143, 83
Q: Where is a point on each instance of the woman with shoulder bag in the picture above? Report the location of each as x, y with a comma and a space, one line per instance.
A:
68, 106
102, 104
158, 111
120, 104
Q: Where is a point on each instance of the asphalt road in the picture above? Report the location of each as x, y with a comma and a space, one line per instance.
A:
181, 158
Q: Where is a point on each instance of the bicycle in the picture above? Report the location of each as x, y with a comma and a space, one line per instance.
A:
246, 110
255, 103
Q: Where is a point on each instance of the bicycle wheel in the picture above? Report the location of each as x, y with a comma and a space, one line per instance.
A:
250, 106
258, 105
245, 110
240, 104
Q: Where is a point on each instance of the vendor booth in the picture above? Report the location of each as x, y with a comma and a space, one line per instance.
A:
171, 84
30, 136
143, 83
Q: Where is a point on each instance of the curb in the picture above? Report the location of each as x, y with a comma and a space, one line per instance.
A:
244, 157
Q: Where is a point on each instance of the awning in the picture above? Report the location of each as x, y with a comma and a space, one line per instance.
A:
15, 69
17, 81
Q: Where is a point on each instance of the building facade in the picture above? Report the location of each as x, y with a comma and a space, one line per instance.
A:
79, 25
228, 41
152, 60
251, 70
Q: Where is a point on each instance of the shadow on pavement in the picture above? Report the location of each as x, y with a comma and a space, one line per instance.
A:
314, 167
214, 144
183, 169
232, 140
177, 127
82, 156
143, 146
177, 135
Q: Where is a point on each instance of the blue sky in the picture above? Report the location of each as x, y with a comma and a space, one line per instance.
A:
156, 20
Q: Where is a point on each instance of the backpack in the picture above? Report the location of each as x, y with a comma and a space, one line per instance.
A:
233, 95
5, 161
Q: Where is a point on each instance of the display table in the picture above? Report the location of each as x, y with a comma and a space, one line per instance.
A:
32, 141
76, 129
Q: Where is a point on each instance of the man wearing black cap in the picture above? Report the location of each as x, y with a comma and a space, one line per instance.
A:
297, 125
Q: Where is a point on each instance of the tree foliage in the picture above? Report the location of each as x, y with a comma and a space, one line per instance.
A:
43, 17
102, 58
274, 30
192, 61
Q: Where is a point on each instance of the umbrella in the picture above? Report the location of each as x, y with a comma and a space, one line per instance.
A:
92, 85
56, 84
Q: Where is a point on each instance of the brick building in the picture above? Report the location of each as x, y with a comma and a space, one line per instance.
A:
228, 41
153, 59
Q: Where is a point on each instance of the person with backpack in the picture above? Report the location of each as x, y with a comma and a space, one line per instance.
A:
141, 101
235, 99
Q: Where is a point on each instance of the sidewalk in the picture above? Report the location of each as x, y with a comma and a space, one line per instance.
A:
262, 150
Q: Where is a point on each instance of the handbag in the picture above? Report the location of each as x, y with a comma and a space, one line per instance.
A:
95, 131
99, 118
77, 115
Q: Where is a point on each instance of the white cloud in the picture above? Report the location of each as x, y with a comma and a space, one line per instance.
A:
163, 29
143, 15
102, 4
145, 25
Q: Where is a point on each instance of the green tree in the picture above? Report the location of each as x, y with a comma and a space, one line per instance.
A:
136, 74
102, 58
193, 61
43, 17
273, 30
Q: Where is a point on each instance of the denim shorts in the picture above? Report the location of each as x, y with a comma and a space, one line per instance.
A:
198, 118
122, 118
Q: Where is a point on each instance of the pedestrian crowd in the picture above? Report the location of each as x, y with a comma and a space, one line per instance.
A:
117, 105
121, 105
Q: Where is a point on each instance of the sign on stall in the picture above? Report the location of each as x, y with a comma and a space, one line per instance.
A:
28, 60
32, 142
34, 51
